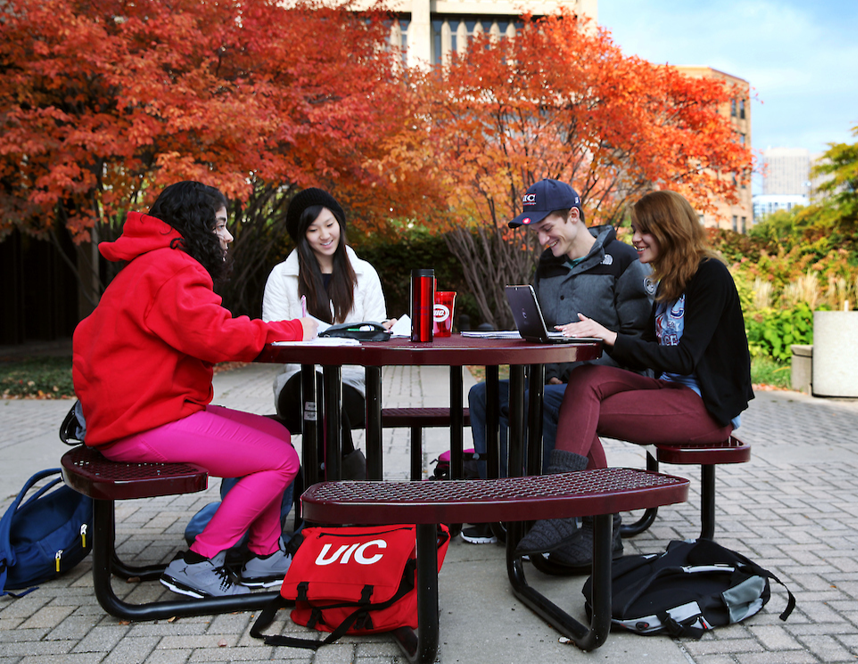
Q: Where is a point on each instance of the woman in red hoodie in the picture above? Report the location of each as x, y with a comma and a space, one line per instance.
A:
143, 373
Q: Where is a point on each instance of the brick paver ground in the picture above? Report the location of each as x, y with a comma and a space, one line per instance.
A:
792, 509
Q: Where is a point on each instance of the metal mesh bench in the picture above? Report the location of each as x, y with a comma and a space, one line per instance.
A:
731, 450
516, 499
416, 419
85, 470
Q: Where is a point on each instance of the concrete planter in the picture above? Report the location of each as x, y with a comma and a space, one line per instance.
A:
802, 367
835, 354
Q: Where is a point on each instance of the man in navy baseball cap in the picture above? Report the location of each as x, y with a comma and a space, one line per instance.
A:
581, 272
543, 198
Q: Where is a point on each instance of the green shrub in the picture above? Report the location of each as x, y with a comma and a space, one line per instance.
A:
766, 371
771, 332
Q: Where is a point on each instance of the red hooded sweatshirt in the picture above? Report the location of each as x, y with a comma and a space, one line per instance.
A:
144, 357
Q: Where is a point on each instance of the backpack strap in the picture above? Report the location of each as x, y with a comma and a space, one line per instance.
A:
406, 585
677, 629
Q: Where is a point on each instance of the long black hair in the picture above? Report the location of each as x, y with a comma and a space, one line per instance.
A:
190, 208
341, 289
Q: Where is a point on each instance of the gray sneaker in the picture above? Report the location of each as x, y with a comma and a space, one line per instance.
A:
259, 572
208, 578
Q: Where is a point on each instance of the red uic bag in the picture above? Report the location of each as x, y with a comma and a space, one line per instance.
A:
353, 580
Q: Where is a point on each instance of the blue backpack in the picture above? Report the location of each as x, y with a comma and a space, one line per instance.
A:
45, 535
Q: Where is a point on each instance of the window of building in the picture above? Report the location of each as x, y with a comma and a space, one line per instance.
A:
742, 109
744, 224
733, 108
437, 47
735, 223
403, 28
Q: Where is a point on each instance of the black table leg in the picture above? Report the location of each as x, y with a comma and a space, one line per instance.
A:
515, 438
457, 425
707, 502
374, 450
103, 557
333, 422
586, 638
492, 423
310, 437
536, 407
422, 645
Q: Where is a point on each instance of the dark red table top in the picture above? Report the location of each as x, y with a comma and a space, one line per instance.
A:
455, 350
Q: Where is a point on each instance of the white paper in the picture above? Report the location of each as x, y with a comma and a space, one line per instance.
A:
402, 327
320, 341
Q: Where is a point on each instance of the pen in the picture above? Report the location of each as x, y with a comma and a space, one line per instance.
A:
303, 306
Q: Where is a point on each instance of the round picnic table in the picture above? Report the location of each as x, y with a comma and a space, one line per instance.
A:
456, 352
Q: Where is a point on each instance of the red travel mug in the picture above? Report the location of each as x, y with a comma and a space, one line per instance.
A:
422, 304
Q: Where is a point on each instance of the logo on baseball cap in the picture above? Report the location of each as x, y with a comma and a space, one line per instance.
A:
543, 198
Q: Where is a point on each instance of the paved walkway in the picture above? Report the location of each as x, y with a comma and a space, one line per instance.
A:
792, 509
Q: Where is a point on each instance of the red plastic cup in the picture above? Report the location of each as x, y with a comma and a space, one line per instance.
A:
445, 302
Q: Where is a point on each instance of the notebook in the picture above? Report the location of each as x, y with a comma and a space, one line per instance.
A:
529, 319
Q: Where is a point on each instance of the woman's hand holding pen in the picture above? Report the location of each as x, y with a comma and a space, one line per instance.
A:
311, 327
387, 324
587, 327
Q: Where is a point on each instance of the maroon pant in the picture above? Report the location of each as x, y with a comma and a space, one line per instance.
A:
615, 403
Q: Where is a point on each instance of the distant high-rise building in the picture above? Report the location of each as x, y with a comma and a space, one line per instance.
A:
766, 204
736, 216
787, 171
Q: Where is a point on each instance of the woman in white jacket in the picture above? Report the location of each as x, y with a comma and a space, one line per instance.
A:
338, 287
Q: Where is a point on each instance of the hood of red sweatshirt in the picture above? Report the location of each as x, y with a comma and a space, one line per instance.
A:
140, 234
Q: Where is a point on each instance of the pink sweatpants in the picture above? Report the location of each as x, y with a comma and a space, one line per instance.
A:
227, 443
612, 402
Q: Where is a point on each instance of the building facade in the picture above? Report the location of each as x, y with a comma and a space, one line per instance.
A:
735, 216
429, 30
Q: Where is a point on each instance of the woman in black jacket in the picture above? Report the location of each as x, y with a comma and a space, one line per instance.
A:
695, 344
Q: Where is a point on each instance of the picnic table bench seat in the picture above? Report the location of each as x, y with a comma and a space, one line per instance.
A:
707, 456
87, 471
600, 492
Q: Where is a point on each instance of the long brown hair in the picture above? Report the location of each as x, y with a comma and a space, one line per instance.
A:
341, 289
682, 244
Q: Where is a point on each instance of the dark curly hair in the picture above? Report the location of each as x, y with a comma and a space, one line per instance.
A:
190, 208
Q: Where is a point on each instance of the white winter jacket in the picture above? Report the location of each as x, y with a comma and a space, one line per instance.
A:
282, 302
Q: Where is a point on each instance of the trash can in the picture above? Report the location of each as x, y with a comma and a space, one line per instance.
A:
835, 354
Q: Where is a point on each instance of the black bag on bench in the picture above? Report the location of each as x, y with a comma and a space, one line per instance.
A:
692, 587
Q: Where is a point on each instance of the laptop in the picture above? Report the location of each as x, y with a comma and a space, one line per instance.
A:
529, 320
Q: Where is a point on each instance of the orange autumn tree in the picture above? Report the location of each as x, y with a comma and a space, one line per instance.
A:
103, 102
560, 100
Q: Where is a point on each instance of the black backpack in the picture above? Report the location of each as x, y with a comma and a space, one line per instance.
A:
692, 587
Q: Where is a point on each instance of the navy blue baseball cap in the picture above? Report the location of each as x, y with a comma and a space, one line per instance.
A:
543, 198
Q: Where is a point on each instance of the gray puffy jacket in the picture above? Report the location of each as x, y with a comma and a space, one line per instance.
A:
610, 286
